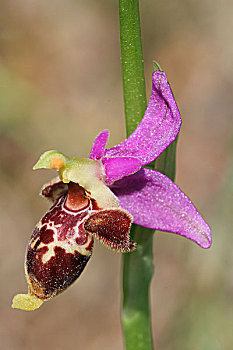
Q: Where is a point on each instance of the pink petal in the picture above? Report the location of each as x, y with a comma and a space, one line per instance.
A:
158, 128
156, 202
98, 147
119, 167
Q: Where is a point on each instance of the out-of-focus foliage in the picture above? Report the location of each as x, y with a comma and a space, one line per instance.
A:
60, 84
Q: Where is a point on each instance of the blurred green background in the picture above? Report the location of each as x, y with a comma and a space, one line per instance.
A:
60, 84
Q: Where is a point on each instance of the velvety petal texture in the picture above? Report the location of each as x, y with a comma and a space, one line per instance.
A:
156, 202
119, 167
99, 145
158, 128
112, 228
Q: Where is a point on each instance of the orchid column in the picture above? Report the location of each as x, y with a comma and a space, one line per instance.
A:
137, 266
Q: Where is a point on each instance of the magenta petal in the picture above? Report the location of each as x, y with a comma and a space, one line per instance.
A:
98, 147
156, 202
157, 130
119, 167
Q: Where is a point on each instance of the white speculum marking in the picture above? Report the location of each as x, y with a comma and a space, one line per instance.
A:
34, 242
69, 244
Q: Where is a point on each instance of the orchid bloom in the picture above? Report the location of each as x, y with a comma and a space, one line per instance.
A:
101, 196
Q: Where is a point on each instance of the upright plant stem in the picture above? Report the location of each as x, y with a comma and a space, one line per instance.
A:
137, 266
137, 274
132, 63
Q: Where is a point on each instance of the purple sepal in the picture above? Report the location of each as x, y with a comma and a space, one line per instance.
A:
156, 202
98, 147
119, 167
158, 128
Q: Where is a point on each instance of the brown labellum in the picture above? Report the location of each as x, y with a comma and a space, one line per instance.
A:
62, 242
59, 248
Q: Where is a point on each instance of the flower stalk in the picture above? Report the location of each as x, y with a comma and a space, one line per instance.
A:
137, 266
132, 63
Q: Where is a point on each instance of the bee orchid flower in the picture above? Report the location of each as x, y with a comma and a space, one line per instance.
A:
101, 196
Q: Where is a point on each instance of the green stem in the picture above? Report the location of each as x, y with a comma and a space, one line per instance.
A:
137, 274
132, 63
166, 163
137, 266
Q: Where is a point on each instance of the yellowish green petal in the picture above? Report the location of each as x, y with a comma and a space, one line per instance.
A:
88, 173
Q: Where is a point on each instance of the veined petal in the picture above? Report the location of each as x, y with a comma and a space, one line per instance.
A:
156, 202
119, 167
98, 147
158, 128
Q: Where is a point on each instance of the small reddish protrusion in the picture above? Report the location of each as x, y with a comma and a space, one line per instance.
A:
76, 199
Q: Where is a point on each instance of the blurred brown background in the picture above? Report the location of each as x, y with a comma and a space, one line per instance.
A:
60, 84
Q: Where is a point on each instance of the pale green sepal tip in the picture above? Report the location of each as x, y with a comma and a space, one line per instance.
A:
45, 160
156, 66
79, 170
88, 173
